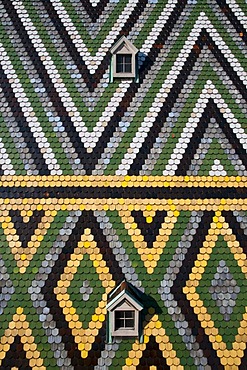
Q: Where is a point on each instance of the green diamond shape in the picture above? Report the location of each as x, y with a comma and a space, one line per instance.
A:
227, 328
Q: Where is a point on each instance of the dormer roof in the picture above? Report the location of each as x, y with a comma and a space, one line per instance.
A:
124, 292
123, 46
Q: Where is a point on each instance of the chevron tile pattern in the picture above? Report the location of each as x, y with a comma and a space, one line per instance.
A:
54, 292
60, 115
104, 181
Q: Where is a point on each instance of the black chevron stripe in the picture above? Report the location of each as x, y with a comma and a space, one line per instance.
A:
203, 39
94, 11
50, 89
210, 112
24, 128
184, 304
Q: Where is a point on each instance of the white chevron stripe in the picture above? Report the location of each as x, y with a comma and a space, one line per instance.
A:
141, 22
183, 142
212, 131
5, 161
54, 119
93, 62
28, 112
233, 5
158, 26
201, 22
93, 29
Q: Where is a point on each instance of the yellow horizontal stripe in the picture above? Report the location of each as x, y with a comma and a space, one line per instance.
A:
124, 181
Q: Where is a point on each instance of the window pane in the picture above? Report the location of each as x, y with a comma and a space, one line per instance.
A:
129, 314
124, 63
120, 61
128, 58
129, 323
119, 323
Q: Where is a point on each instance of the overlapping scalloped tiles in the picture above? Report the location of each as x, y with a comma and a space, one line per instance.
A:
104, 181
55, 278
60, 115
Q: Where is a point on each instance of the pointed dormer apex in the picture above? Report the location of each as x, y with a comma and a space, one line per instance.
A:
123, 46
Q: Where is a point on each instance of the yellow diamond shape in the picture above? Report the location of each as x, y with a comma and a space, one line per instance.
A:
84, 337
20, 326
230, 359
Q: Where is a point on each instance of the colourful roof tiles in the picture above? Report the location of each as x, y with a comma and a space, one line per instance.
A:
138, 180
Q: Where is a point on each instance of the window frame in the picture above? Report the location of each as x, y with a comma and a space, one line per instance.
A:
123, 331
125, 319
123, 63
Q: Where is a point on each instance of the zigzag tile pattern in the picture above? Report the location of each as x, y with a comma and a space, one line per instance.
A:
54, 295
104, 181
61, 116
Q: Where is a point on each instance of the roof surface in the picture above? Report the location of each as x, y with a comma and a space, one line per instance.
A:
139, 181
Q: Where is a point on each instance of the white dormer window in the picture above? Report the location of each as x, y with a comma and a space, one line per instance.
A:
123, 62
123, 313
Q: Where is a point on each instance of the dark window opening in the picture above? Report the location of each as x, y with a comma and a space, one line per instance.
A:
124, 319
124, 63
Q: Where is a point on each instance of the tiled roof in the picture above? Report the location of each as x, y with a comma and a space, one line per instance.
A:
142, 180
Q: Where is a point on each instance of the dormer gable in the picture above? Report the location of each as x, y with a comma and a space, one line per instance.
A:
123, 45
124, 309
123, 61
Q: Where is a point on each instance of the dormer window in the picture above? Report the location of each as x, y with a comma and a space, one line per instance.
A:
124, 309
123, 62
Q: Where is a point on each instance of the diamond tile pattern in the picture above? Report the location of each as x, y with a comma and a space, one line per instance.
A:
224, 290
137, 179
